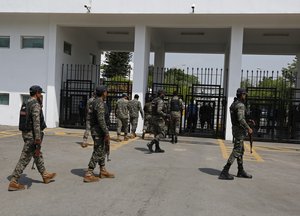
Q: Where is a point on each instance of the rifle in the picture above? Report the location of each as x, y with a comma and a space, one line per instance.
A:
251, 124
107, 148
37, 151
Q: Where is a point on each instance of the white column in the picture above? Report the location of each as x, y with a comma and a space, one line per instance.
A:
141, 64
52, 97
226, 66
159, 64
234, 72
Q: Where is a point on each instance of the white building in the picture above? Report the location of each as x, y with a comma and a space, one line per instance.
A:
35, 39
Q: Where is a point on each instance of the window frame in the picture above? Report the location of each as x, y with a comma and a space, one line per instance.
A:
32, 37
5, 37
4, 94
67, 48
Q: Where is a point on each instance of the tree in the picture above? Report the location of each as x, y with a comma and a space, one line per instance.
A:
290, 73
117, 64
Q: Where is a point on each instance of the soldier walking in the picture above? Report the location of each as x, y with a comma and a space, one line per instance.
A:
121, 113
134, 107
158, 121
100, 135
148, 116
87, 122
175, 109
32, 125
239, 130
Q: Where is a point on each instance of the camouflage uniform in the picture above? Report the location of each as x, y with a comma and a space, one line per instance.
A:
122, 116
175, 108
98, 130
134, 107
88, 123
36, 125
148, 116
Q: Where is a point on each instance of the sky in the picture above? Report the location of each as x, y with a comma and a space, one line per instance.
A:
249, 62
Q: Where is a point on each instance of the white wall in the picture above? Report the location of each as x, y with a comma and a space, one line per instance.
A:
153, 6
21, 68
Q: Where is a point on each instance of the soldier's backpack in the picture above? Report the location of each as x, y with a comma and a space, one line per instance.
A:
175, 105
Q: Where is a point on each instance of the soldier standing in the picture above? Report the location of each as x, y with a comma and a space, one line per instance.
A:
32, 133
239, 130
134, 107
158, 121
148, 116
100, 134
175, 109
121, 112
87, 122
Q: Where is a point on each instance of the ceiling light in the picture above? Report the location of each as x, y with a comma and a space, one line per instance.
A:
192, 33
117, 32
276, 34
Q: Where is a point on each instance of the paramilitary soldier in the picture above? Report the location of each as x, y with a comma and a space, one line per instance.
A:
175, 109
87, 122
134, 107
148, 115
158, 121
32, 132
100, 135
239, 131
121, 112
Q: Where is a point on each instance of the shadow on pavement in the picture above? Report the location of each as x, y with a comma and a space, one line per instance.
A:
79, 172
210, 171
145, 150
24, 180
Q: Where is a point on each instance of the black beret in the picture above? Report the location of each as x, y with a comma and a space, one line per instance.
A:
101, 89
36, 88
241, 91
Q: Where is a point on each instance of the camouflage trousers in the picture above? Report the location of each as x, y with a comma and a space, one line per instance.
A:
98, 155
237, 151
174, 123
158, 126
26, 155
122, 123
134, 123
87, 130
147, 123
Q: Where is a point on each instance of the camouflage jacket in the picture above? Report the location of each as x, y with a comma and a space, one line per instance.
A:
158, 108
98, 124
238, 112
89, 108
35, 115
134, 107
122, 108
147, 109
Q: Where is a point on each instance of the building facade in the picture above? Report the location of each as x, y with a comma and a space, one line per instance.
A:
38, 37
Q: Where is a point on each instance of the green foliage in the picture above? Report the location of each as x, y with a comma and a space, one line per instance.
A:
117, 64
290, 73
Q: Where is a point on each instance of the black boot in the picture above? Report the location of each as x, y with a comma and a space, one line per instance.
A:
175, 139
149, 145
225, 173
242, 173
157, 148
172, 140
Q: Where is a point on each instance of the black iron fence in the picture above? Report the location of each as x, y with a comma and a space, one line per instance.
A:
274, 105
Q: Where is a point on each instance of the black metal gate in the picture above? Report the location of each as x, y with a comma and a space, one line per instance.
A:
274, 104
78, 83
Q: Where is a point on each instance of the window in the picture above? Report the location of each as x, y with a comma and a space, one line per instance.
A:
67, 48
32, 42
4, 99
92, 59
24, 97
4, 41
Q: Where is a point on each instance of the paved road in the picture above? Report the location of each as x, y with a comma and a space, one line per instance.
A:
183, 181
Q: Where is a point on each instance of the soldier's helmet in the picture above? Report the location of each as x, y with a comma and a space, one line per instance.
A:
35, 89
241, 91
100, 90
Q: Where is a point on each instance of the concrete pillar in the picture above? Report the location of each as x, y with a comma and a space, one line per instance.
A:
234, 72
141, 64
52, 90
159, 64
226, 66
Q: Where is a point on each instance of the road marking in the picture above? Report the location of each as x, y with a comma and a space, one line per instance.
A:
226, 151
7, 133
223, 149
